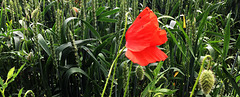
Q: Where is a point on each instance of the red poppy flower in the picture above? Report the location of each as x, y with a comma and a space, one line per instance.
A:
142, 38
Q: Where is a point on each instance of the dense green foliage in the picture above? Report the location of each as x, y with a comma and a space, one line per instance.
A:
67, 48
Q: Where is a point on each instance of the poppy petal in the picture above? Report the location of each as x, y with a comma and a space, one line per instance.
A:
144, 17
159, 38
140, 33
146, 56
140, 39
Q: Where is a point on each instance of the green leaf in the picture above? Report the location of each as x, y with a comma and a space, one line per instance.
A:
43, 44
74, 70
226, 39
109, 12
105, 19
148, 76
200, 30
202, 23
16, 42
238, 42
165, 91
237, 78
67, 77
64, 28
104, 44
165, 16
15, 75
189, 43
177, 69
45, 10
104, 70
1, 81
148, 89
95, 33
175, 41
176, 6
211, 50
233, 82
3, 20
19, 70
77, 42
158, 68
10, 73
214, 34
20, 93
100, 10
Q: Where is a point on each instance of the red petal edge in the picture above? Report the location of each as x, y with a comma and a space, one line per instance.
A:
146, 56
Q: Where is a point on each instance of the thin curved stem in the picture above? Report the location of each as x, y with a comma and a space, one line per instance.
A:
200, 71
129, 73
109, 73
125, 27
115, 60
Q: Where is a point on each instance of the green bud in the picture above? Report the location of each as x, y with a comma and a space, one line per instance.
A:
139, 72
207, 81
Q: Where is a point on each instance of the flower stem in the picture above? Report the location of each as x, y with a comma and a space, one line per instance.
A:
109, 73
129, 73
115, 60
200, 71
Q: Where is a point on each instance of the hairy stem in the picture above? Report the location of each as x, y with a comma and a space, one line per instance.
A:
199, 73
129, 73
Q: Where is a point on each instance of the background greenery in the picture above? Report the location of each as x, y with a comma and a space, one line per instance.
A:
66, 47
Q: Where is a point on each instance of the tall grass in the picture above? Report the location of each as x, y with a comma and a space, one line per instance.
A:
69, 52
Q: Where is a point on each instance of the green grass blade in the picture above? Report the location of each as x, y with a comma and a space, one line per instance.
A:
20, 92
64, 28
43, 44
45, 10
109, 12
202, 24
3, 20
226, 39
188, 39
77, 42
175, 41
104, 70
74, 70
105, 19
232, 80
176, 6
100, 10
238, 42
95, 33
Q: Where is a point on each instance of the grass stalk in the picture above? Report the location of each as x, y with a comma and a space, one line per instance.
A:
74, 46
154, 5
135, 8
12, 5
94, 14
144, 3
84, 18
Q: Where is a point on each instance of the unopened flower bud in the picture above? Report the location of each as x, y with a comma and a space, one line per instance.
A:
207, 81
139, 72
